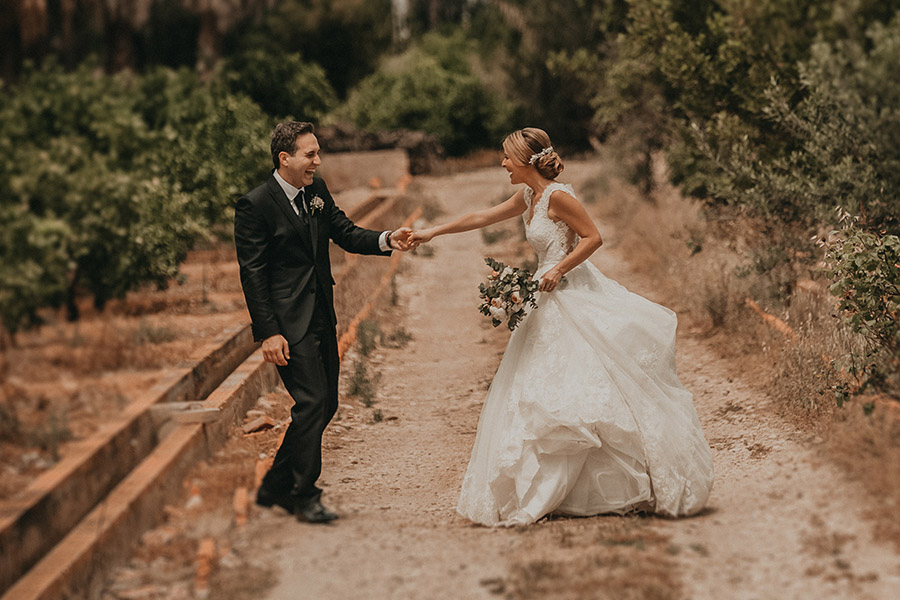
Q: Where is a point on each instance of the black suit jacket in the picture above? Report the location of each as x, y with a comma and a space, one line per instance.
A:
285, 262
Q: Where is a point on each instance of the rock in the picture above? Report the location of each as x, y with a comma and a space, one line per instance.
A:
145, 591
258, 424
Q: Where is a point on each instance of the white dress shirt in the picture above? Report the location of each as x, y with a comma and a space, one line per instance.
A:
292, 192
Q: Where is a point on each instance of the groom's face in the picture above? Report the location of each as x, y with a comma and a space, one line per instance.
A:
298, 168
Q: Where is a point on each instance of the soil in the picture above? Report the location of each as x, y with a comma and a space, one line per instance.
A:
782, 522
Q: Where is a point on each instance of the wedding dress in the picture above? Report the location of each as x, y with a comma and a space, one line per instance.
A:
586, 414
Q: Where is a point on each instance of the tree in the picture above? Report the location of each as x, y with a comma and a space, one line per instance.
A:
107, 181
432, 89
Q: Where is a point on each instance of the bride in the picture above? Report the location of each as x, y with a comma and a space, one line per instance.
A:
586, 414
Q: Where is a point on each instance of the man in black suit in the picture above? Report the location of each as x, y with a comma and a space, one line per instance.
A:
281, 231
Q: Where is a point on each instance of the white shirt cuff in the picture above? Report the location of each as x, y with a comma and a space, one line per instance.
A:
382, 242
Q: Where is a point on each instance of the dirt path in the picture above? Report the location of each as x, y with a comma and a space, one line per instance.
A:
782, 521
395, 482
780, 524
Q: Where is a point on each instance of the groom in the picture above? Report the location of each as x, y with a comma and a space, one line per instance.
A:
281, 231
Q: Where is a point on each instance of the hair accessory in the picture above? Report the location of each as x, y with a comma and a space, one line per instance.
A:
543, 152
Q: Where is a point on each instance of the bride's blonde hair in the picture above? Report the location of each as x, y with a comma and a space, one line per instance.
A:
532, 146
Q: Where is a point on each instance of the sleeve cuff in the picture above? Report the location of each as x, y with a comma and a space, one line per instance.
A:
383, 243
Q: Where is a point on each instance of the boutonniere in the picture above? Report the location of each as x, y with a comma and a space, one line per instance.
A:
315, 205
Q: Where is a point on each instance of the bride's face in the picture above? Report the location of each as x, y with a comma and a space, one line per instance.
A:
515, 168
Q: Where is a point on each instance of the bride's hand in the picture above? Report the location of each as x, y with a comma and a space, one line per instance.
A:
423, 236
550, 280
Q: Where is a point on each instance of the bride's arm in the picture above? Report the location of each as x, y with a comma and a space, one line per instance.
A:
566, 208
514, 205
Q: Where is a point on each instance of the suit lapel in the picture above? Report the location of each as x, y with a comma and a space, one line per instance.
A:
285, 205
314, 232
313, 219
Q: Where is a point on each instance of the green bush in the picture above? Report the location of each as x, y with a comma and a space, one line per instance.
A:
286, 87
844, 130
212, 143
432, 88
696, 78
865, 269
107, 181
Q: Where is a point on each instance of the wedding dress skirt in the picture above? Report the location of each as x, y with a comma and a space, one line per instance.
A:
586, 414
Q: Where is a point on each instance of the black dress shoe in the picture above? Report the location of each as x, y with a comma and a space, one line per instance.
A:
314, 512
267, 499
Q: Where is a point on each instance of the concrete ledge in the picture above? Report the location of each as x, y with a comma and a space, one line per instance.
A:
345, 170
32, 522
78, 565
35, 520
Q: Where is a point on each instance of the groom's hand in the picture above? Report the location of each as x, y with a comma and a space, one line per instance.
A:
400, 239
276, 350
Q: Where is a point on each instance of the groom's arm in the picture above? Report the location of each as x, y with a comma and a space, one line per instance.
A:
252, 240
347, 234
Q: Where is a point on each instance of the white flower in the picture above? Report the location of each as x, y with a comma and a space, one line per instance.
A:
315, 205
506, 271
498, 313
536, 156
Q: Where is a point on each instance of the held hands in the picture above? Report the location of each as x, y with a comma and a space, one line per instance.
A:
276, 350
423, 236
401, 239
550, 280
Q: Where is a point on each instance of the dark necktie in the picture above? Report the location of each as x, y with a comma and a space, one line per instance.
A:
300, 203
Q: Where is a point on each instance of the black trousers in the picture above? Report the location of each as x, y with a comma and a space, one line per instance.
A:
311, 378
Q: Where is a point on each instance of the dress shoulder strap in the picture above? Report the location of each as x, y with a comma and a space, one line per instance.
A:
556, 185
529, 196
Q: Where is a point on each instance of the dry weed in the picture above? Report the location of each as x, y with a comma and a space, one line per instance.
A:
609, 558
868, 447
704, 266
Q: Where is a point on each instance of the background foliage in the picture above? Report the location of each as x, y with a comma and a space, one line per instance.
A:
777, 110
107, 180
433, 88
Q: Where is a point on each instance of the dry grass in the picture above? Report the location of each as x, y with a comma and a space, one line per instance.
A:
705, 269
610, 558
868, 447
163, 564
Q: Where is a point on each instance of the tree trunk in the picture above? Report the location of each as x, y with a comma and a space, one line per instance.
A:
32, 22
209, 41
72, 313
400, 21
434, 13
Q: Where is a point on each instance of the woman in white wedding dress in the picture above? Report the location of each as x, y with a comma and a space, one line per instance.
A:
586, 414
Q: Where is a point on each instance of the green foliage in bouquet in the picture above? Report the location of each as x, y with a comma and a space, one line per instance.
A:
865, 269
507, 293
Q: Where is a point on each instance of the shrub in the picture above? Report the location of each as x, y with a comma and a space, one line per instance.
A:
865, 269
287, 87
107, 181
433, 89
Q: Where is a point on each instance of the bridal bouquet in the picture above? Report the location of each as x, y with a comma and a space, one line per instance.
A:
507, 291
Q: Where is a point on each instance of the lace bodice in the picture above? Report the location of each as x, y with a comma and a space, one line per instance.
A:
550, 240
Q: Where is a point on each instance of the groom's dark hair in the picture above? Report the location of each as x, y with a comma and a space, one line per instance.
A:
284, 136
